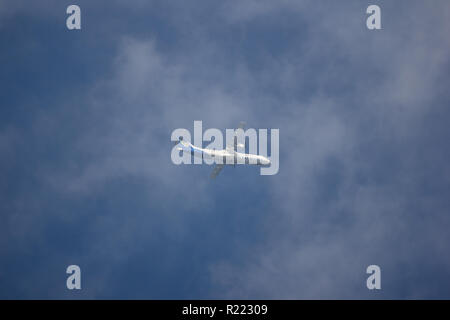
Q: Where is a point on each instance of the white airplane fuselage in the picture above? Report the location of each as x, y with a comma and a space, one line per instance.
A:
228, 156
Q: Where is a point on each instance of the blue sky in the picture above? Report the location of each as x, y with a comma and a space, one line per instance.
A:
85, 170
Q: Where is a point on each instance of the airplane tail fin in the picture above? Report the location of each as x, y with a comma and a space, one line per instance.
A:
184, 145
177, 141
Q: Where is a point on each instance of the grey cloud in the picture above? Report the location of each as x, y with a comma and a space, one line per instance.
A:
362, 176
338, 206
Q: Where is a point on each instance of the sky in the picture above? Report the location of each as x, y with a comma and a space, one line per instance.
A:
86, 176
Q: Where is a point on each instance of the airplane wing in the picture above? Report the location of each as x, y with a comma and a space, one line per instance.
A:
234, 145
219, 167
216, 170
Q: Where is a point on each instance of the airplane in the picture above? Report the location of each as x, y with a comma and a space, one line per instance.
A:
229, 152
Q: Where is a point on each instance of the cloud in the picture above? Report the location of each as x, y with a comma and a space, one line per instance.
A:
363, 163
350, 192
